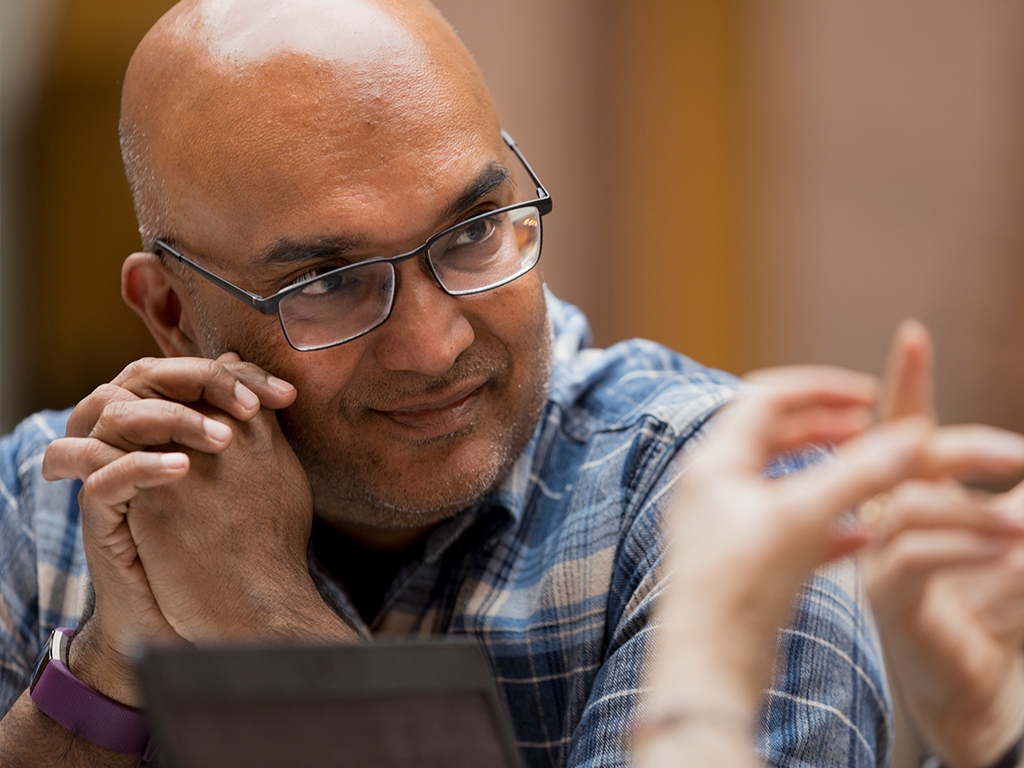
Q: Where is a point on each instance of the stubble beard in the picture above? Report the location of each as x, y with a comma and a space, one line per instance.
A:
353, 484
350, 486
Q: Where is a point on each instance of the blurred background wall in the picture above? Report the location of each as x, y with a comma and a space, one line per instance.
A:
754, 183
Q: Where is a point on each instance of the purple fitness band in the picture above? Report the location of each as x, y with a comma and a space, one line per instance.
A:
83, 711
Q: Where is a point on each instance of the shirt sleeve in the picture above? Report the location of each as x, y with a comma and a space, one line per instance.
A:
602, 735
616, 701
829, 703
42, 563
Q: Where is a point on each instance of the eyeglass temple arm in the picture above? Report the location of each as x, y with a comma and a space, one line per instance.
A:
266, 306
544, 197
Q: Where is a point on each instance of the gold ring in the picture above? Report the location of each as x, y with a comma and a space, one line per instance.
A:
873, 510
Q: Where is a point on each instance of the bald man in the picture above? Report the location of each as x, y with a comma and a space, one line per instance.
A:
371, 418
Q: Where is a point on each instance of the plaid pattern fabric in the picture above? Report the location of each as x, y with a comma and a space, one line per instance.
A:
554, 574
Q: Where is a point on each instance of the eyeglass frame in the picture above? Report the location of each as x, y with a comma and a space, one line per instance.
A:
270, 305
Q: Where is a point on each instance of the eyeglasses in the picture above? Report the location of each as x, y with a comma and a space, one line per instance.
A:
476, 255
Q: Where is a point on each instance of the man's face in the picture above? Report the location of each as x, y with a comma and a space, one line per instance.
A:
406, 425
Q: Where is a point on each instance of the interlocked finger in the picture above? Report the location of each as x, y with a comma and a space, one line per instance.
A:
233, 386
795, 407
866, 466
75, 458
88, 410
131, 425
107, 491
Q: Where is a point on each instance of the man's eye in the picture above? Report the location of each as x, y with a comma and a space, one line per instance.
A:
331, 281
473, 233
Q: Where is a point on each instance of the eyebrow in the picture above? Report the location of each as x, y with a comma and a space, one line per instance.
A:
288, 250
492, 177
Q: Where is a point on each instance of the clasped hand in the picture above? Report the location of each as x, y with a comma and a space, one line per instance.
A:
195, 511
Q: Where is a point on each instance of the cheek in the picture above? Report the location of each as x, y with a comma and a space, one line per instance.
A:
224, 324
519, 315
258, 339
320, 377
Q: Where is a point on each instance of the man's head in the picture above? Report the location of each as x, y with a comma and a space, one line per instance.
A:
266, 140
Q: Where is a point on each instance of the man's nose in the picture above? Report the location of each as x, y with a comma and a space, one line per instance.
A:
427, 329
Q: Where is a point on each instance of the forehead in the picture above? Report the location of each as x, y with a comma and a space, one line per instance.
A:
263, 149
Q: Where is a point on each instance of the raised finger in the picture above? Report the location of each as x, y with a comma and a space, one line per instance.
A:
146, 423
909, 387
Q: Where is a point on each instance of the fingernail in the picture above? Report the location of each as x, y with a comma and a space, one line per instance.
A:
245, 396
218, 432
279, 385
174, 460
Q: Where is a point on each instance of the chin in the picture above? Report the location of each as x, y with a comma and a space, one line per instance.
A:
425, 497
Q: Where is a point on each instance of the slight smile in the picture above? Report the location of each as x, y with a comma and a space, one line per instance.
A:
438, 416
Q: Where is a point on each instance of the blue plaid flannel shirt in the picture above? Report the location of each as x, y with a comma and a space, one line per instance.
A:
554, 574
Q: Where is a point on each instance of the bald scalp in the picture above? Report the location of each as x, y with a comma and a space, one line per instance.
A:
217, 85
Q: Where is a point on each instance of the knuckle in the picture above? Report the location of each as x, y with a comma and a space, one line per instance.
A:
118, 409
249, 369
222, 375
134, 462
83, 418
137, 369
111, 415
93, 454
105, 393
89, 490
101, 397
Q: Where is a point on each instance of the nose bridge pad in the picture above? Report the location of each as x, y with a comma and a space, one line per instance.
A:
427, 265
409, 288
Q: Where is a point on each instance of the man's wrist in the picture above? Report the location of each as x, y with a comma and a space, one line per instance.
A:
29, 738
299, 613
80, 708
103, 668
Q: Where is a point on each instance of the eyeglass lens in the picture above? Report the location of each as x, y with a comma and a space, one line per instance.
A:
483, 253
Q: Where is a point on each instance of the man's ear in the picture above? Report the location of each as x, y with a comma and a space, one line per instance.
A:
158, 296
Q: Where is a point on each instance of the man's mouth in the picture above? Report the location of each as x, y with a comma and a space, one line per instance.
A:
437, 415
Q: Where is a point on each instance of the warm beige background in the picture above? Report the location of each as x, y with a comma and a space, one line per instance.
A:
753, 182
